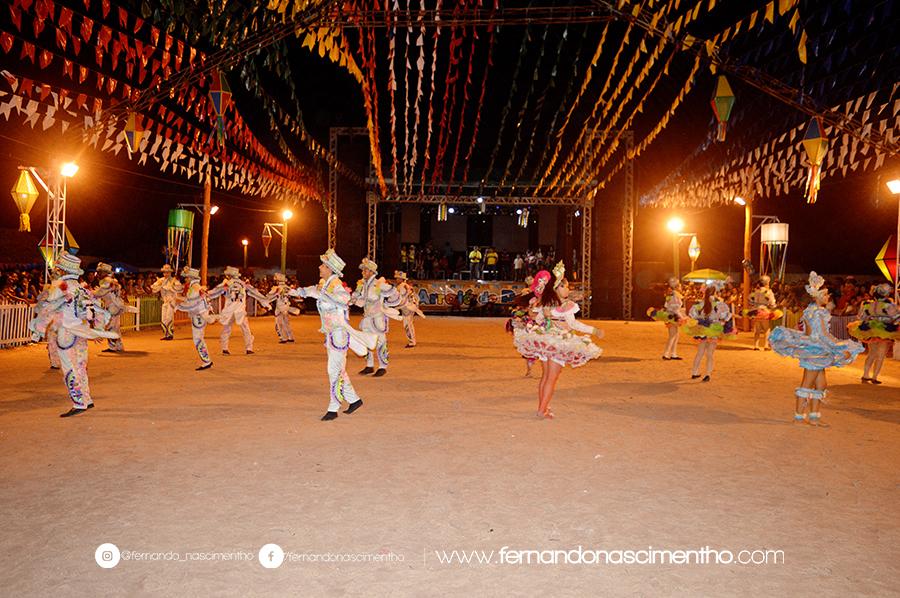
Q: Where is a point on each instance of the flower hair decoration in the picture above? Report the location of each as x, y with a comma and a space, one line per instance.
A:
816, 282
559, 273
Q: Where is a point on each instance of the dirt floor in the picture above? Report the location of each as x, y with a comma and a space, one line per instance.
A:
446, 454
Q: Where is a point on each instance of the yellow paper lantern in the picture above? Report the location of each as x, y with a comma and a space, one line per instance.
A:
24, 193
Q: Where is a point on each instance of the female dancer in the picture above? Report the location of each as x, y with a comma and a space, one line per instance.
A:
551, 339
673, 316
878, 326
762, 310
712, 321
816, 349
520, 318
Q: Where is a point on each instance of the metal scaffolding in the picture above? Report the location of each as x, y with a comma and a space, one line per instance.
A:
332, 200
628, 229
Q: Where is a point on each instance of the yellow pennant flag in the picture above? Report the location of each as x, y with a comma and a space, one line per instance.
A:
752, 21
801, 47
770, 11
712, 5
794, 18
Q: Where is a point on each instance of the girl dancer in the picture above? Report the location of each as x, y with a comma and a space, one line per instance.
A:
816, 349
673, 316
878, 326
762, 310
520, 319
712, 321
551, 338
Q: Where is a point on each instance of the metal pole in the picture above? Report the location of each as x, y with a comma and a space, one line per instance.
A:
204, 239
675, 265
284, 233
245, 257
748, 233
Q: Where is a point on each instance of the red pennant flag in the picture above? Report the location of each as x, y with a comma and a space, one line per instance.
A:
45, 58
87, 26
99, 81
87, 4
103, 37
154, 66
61, 39
105, 6
123, 17
38, 24
63, 94
98, 105
154, 35
76, 45
111, 85
45, 91
67, 67
80, 100
16, 16
179, 53
129, 69
6, 41
168, 44
65, 19
138, 23
25, 87
82, 73
116, 50
27, 50
126, 90
139, 50
98, 55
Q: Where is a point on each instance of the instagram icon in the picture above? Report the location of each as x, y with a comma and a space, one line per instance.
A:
107, 555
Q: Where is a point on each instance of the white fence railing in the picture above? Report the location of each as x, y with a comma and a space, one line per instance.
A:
14, 319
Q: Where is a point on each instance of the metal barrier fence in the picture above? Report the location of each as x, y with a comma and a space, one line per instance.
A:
14, 319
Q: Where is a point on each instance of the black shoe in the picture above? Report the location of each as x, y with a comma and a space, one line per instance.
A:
290, 340
281, 342
329, 416
165, 338
706, 378
409, 346
55, 367
864, 379
676, 358
666, 358
872, 380
91, 406
366, 370
109, 351
694, 377
353, 407
381, 372
72, 412
205, 367
249, 352
225, 352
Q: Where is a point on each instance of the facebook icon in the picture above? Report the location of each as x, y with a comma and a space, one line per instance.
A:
271, 556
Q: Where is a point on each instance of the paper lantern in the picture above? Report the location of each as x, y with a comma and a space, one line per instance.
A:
220, 95
722, 103
133, 132
179, 235
886, 260
442, 213
816, 145
24, 194
266, 238
773, 256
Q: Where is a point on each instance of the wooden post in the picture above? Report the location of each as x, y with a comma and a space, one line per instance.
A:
748, 256
204, 240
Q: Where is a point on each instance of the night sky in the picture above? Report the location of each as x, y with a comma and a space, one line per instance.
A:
117, 209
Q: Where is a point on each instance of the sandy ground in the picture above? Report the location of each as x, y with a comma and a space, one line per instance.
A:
445, 455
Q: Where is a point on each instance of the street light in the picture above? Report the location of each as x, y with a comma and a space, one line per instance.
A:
212, 210
894, 186
69, 169
285, 216
245, 242
740, 201
675, 225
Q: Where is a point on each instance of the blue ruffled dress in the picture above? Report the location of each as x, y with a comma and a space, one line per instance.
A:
816, 349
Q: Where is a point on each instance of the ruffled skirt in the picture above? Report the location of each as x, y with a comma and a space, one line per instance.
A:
874, 331
563, 348
666, 317
814, 353
705, 329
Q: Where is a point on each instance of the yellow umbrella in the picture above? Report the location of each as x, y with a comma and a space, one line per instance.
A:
704, 275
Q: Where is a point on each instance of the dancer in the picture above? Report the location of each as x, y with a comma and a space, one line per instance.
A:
235, 309
332, 301
878, 326
711, 321
520, 318
551, 337
81, 318
762, 310
194, 303
379, 301
673, 316
168, 288
283, 308
109, 292
409, 307
816, 349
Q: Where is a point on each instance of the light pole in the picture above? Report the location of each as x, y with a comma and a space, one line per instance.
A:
245, 242
675, 226
894, 186
206, 209
281, 228
54, 242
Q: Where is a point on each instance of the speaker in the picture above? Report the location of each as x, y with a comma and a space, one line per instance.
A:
749, 267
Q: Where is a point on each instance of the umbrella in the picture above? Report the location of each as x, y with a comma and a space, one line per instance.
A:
704, 275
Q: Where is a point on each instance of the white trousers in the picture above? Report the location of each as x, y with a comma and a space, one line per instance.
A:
198, 333
283, 327
245, 330
410, 328
338, 380
167, 319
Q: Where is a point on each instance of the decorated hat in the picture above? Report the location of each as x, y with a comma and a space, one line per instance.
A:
765, 279
399, 275
166, 268
104, 267
816, 282
673, 283
190, 273
333, 261
368, 264
882, 290
559, 273
232, 272
70, 264
279, 277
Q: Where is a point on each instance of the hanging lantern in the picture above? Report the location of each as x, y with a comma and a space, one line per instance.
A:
816, 145
179, 235
266, 238
694, 251
523, 217
886, 260
72, 245
24, 193
774, 237
442, 212
220, 95
722, 103
133, 132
